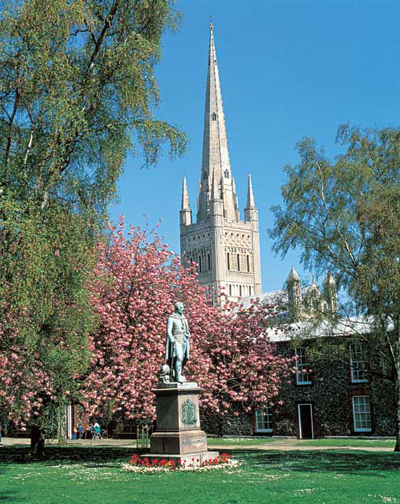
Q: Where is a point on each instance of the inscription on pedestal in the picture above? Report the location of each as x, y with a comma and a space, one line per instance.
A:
191, 442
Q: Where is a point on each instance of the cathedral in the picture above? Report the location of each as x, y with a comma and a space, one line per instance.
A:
225, 248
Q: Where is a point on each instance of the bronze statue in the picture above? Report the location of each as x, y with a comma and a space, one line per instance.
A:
177, 346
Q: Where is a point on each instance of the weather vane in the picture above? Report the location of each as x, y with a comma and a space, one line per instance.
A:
211, 23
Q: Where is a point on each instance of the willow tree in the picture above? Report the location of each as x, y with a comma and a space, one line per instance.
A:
77, 94
344, 216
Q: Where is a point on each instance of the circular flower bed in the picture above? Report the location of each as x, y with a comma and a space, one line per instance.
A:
151, 466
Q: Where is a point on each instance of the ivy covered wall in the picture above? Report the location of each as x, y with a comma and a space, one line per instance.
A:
330, 393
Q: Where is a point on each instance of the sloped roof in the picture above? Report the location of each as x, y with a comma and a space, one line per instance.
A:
307, 329
277, 297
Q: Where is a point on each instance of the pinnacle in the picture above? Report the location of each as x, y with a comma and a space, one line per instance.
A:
293, 275
250, 194
330, 279
185, 196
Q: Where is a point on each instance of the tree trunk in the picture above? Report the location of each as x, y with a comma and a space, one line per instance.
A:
62, 428
37, 441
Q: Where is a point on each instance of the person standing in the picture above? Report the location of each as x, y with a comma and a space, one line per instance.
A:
97, 430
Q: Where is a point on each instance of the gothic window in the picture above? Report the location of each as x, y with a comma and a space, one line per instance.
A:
205, 175
226, 173
230, 290
240, 290
361, 414
238, 262
209, 262
250, 290
200, 269
214, 116
264, 420
248, 262
228, 261
302, 368
358, 363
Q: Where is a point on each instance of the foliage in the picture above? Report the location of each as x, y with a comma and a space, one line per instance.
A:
344, 216
77, 93
227, 424
45, 316
136, 282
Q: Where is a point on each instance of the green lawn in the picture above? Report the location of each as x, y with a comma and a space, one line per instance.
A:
93, 476
349, 442
357, 443
240, 441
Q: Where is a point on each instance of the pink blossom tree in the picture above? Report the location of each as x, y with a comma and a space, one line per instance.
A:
136, 282
133, 286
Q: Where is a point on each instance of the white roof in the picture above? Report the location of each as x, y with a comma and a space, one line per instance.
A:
274, 297
307, 329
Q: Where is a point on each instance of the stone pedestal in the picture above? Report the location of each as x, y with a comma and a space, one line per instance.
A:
178, 433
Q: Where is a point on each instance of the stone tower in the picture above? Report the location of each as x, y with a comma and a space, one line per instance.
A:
226, 249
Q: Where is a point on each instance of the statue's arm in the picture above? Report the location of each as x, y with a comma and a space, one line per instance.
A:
170, 324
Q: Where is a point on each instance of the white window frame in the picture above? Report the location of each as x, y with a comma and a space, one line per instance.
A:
266, 412
362, 429
312, 419
301, 362
357, 366
70, 421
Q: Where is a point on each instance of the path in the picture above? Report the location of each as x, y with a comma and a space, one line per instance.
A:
290, 444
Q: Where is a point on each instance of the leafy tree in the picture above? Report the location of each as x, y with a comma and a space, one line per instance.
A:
345, 217
136, 283
77, 93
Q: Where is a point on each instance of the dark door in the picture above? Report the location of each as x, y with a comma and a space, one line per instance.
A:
305, 421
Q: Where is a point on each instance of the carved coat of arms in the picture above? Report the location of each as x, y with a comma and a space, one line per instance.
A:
188, 413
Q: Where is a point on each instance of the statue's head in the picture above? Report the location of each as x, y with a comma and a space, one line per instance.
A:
179, 308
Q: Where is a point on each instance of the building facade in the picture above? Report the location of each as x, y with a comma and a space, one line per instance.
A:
343, 386
225, 248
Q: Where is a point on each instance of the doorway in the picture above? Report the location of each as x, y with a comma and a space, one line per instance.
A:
306, 427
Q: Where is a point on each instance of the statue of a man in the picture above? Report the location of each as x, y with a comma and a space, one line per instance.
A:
177, 345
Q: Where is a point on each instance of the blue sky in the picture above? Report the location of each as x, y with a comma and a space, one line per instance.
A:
288, 69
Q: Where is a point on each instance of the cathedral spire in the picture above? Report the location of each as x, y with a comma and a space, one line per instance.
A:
185, 196
215, 144
226, 248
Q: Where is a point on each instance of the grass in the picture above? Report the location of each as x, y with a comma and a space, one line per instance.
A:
337, 443
240, 441
356, 443
92, 475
